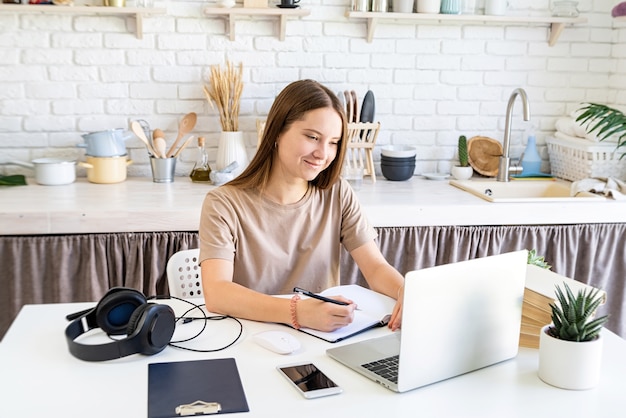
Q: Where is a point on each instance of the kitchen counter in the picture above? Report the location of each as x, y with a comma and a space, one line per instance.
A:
72, 243
140, 205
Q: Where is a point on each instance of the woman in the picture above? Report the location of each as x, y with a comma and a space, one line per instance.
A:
279, 224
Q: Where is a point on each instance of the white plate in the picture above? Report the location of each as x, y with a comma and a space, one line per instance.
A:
436, 176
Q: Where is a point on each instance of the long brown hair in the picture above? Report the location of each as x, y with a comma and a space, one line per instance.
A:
290, 105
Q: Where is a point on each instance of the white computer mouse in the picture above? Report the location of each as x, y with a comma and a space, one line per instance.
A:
277, 341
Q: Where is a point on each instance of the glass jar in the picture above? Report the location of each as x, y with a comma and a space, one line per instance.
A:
201, 170
565, 9
451, 7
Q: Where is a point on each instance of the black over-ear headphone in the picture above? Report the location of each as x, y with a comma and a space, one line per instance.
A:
149, 326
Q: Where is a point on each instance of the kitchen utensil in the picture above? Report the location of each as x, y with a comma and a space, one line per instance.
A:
51, 171
355, 107
138, 130
225, 175
368, 107
367, 111
109, 143
163, 169
435, 176
484, 155
380, 6
342, 100
398, 151
397, 171
158, 134
182, 147
160, 146
496, 7
348, 99
106, 170
187, 123
146, 127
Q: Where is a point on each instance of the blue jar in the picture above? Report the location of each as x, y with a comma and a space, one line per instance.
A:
451, 7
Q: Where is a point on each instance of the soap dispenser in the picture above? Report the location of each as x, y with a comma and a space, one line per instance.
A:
531, 160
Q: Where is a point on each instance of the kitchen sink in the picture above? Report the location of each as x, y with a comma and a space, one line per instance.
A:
524, 191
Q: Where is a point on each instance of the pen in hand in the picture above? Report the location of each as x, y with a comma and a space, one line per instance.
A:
319, 297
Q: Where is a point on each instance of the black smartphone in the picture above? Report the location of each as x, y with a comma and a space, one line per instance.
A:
310, 381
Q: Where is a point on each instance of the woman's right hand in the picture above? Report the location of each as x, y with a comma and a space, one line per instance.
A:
324, 316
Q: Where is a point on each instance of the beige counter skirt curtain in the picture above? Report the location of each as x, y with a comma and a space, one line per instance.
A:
79, 268
592, 254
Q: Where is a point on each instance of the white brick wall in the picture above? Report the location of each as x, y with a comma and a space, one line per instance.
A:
65, 75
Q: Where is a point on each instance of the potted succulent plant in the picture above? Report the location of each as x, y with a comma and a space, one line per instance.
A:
570, 348
608, 122
537, 260
462, 171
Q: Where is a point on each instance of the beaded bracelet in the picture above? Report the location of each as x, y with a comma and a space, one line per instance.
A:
294, 317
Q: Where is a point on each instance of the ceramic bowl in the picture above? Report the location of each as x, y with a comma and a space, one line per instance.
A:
397, 160
398, 151
397, 172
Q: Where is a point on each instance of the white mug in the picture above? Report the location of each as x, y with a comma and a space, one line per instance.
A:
428, 6
496, 7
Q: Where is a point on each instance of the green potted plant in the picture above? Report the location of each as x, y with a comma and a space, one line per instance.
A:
462, 171
604, 120
537, 260
570, 348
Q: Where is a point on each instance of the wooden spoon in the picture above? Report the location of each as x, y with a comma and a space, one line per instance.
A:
182, 147
138, 130
160, 146
159, 143
187, 123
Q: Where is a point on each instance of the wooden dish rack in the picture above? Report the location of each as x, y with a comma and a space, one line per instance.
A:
361, 141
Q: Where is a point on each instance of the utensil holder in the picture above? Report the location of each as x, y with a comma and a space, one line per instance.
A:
163, 169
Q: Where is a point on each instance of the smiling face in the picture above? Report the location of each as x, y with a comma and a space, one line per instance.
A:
308, 146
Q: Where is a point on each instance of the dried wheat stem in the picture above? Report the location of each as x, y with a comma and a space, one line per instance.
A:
225, 91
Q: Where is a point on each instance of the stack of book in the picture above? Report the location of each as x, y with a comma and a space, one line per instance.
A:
539, 293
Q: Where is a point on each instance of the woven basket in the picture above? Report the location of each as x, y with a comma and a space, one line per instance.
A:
573, 160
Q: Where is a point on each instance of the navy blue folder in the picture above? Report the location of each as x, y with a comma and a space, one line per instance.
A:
173, 384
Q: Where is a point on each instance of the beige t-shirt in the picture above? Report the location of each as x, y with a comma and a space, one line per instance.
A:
275, 247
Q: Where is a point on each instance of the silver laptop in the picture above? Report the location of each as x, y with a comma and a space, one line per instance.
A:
456, 318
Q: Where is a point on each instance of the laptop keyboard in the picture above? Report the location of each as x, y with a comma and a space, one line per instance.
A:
386, 368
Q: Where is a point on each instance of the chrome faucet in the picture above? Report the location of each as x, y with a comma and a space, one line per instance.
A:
504, 167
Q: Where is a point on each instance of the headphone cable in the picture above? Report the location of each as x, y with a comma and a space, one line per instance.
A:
206, 318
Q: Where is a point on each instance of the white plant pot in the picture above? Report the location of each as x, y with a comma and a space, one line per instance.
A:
462, 173
232, 148
568, 364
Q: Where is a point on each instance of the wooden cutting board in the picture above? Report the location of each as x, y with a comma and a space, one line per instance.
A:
484, 155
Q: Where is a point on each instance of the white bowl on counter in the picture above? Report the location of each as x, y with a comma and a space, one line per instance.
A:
398, 151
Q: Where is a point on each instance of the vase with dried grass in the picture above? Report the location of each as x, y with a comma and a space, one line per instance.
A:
224, 94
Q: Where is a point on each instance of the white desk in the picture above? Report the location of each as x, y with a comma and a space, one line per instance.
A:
39, 378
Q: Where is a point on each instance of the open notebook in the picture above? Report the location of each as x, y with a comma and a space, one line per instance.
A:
373, 307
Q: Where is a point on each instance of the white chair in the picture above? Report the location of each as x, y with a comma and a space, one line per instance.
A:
183, 274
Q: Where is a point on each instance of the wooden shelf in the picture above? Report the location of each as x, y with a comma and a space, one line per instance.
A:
233, 13
137, 12
556, 23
